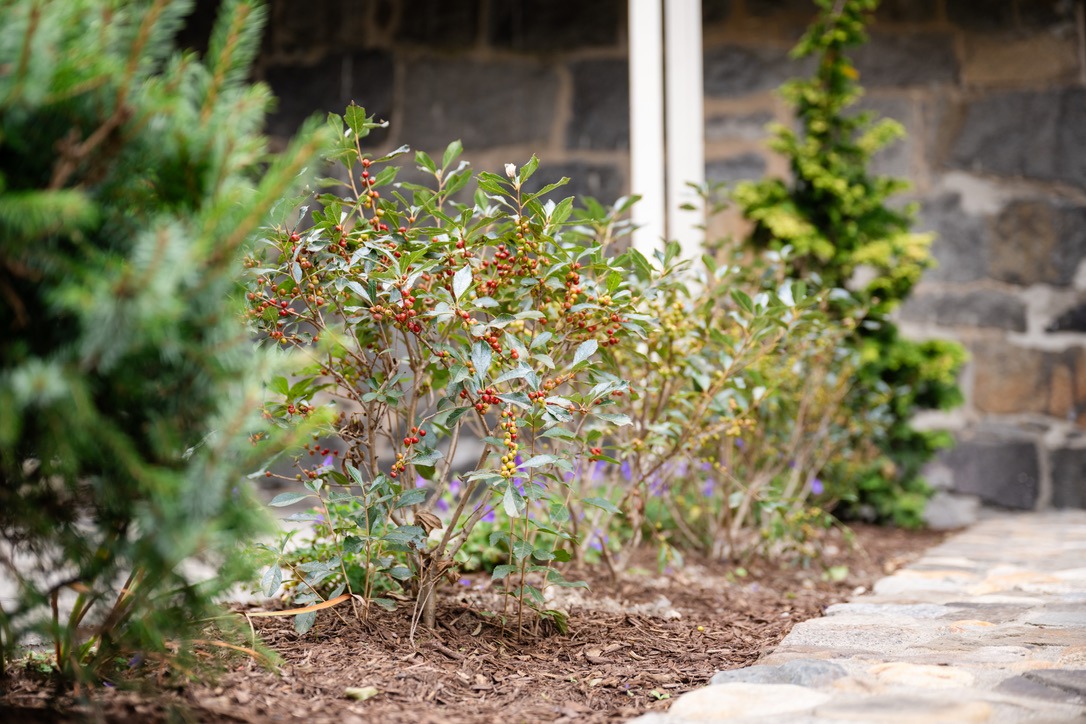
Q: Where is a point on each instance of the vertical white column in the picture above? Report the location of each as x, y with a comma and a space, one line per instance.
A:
685, 122
647, 123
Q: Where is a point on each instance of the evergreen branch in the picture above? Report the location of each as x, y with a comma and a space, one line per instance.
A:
224, 59
24, 56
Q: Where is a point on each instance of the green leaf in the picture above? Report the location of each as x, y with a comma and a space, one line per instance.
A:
584, 351
356, 121
411, 497
562, 555
743, 300
480, 357
461, 281
273, 578
537, 461
279, 385
304, 621
405, 534
424, 160
284, 499
452, 152
502, 571
425, 455
615, 418
602, 504
512, 502
517, 398
514, 374
400, 572
521, 550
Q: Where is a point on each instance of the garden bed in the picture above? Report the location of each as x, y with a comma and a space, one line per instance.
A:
633, 644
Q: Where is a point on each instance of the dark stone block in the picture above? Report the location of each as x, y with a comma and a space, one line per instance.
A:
1000, 472
1001, 15
603, 182
295, 28
439, 23
744, 167
555, 25
959, 243
1068, 467
305, 90
1036, 242
483, 104
906, 11
981, 308
601, 105
749, 127
1034, 134
715, 11
1071, 320
763, 8
733, 70
900, 59
981, 14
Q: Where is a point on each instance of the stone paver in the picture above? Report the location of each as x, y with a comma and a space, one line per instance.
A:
989, 627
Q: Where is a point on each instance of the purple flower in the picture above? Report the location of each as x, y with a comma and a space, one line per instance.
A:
816, 486
327, 462
464, 581
489, 517
441, 505
454, 487
707, 488
419, 481
626, 470
739, 443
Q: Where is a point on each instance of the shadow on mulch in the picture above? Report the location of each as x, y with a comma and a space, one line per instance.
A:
632, 645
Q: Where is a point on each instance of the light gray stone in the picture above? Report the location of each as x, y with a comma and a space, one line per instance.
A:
945, 709
915, 610
801, 672
947, 511
723, 702
978, 308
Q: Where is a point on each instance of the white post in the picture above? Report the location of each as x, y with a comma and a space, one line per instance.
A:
685, 122
647, 124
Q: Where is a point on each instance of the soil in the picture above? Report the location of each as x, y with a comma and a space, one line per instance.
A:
632, 645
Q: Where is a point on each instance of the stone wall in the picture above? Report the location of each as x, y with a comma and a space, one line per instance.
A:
992, 94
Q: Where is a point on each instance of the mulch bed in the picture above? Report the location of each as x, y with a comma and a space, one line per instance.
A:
633, 644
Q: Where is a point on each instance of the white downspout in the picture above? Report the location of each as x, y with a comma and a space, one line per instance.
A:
685, 123
647, 124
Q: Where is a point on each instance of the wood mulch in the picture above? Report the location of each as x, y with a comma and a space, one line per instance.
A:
633, 644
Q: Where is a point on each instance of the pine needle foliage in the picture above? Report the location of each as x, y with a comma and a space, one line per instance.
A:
837, 224
133, 177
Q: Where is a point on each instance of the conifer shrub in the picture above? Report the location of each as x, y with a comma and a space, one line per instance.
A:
132, 177
837, 225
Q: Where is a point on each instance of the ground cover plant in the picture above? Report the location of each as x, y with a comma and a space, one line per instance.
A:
129, 189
